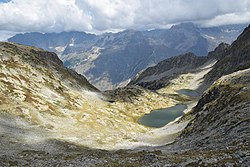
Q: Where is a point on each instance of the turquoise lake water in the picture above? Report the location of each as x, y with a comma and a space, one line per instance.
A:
161, 117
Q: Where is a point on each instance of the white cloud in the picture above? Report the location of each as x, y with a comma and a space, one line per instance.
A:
4, 35
237, 18
168, 11
43, 15
108, 15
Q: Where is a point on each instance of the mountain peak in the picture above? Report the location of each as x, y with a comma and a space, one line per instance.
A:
244, 37
217, 53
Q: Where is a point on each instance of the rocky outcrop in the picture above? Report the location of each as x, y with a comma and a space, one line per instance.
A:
218, 52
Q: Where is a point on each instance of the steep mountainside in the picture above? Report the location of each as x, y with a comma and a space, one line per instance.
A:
234, 59
127, 52
226, 105
220, 130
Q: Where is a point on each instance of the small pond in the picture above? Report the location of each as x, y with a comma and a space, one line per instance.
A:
188, 92
161, 117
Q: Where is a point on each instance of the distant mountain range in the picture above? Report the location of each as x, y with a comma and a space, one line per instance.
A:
227, 59
112, 59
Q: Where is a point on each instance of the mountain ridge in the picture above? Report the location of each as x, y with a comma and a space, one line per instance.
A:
131, 50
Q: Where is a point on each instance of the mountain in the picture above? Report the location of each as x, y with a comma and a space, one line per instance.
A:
227, 59
160, 75
55, 42
46, 63
110, 60
234, 59
225, 33
50, 115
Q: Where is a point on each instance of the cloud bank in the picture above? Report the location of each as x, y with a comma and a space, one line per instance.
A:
114, 15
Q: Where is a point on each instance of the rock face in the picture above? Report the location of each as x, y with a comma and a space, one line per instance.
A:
111, 59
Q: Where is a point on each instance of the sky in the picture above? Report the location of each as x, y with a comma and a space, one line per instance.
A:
97, 16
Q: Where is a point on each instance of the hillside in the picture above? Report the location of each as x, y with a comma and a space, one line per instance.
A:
39, 94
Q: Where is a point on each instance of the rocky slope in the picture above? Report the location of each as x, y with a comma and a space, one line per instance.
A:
226, 105
40, 94
127, 52
219, 131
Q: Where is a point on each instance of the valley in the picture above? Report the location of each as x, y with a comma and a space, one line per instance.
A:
115, 83
50, 114
43, 99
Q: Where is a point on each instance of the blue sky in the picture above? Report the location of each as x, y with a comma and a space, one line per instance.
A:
99, 16
4, 1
